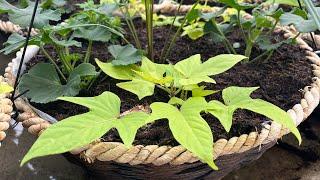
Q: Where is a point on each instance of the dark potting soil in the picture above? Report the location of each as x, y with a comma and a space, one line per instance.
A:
280, 79
4, 17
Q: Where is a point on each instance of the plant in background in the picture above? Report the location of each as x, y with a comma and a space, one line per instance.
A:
47, 81
304, 22
48, 11
255, 30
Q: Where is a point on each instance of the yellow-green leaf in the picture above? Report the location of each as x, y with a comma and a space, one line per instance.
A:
80, 130
5, 88
141, 88
188, 127
117, 72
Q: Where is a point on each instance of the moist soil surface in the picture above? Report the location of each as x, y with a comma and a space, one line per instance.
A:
280, 80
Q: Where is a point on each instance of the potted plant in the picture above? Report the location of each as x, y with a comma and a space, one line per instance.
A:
172, 108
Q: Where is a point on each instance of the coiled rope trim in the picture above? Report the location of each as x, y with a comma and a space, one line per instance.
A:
160, 155
9, 27
5, 112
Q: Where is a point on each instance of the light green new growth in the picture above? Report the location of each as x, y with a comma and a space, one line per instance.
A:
188, 127
141, 80
80, 130
239, 98
5, 88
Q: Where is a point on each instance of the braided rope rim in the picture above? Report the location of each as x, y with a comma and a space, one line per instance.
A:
160, 155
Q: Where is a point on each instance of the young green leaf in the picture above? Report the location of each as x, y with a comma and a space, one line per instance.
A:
237, 5
239, 98
82, 70
188, 127
313, 11
44, 84
80, 130
117, 72
265, 43
301, 24
286, 2
176, 101
141, 88
23, 16
15, 42
202, 92
93, 33
5, 88
193, 71
143, 78
125, 55
188, 72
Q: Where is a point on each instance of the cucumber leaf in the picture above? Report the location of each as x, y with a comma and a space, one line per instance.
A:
237, 5
125, 55
44, 84
80, 130
301, 24
23, 16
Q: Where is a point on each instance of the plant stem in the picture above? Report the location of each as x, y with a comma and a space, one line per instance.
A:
67, 51
173, 40
269, 55
273, 27
131, 25
248, 49
169, 31
94, 79
165, 89
62, 58
149, 20
247, 40
88, 53
260, 56
227, 42
54, 63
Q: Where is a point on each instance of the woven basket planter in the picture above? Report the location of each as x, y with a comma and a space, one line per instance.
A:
115, 161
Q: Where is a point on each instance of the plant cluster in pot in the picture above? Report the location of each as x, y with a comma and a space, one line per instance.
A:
190, 97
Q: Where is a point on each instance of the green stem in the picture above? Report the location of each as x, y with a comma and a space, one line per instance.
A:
53, 62
260, 56
227, 42
273, 27
241, 28
134, 31
62, 58
173, 40
94, 79
67, 51
165, 89
149, 21
88, 53
166, 44
248, 49
177, 91
296, 36
269, 55
131, 25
